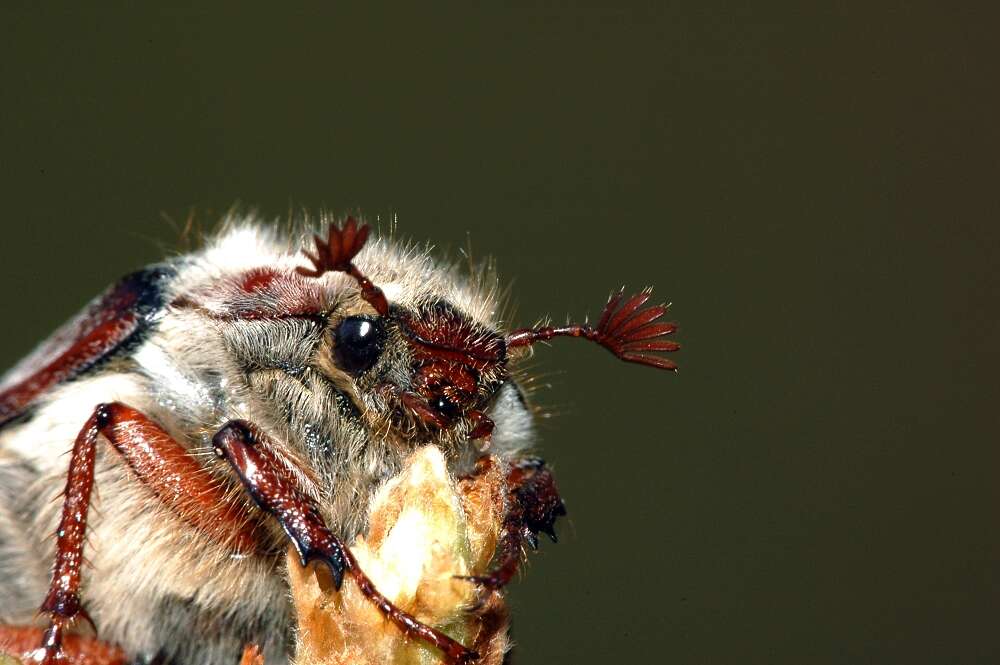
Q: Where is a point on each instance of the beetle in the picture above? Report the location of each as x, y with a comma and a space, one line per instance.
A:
216, 394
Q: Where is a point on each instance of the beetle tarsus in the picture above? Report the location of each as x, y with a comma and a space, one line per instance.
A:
533, 506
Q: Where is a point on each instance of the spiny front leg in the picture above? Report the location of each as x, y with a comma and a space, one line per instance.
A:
164, 466
272, 485
533, 505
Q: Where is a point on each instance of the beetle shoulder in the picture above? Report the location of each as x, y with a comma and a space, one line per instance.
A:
113, 324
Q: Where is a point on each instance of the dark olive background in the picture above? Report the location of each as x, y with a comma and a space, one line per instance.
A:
814, 188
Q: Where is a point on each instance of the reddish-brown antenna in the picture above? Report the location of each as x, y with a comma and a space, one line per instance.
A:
629, 331
335, 255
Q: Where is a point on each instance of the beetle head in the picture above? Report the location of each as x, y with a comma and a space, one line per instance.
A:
456, 366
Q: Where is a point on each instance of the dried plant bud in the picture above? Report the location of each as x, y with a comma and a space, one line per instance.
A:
424, 530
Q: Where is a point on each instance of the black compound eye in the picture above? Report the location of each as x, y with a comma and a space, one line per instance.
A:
446, 407
358, 343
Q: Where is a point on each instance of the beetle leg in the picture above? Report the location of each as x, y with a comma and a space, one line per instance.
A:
164, 466
76, 649
533, 505
482, 426
252, 655
273, 487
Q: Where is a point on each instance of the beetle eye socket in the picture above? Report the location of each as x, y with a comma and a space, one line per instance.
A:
357, 343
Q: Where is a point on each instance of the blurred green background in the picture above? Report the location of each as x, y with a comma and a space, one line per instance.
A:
815, 189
